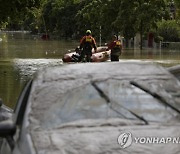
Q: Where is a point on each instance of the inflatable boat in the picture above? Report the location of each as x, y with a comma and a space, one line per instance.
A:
101, 55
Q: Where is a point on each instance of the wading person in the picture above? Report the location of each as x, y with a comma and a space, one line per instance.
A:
86, 44
115, 46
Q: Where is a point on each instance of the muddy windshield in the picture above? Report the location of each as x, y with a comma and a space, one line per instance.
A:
116, 99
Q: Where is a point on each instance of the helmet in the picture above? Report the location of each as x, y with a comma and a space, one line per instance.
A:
88, 32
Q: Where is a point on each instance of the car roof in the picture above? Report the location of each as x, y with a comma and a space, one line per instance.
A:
75, 99
71, 83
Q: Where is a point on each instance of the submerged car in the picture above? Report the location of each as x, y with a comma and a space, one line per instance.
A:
95, 108
175, 70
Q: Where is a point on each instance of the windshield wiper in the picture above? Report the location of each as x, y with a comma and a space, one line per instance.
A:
155, 95
102, 94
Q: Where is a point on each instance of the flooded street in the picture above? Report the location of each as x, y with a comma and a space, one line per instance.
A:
21, 55
161, 56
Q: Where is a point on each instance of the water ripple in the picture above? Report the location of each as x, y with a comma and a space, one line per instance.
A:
27, 67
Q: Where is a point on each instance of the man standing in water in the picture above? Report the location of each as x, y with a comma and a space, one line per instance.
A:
115, 46
87, 43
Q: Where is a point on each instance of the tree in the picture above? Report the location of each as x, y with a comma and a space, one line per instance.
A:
139, 16
98, 15
72, 17
126, 17
59, 16
15, 10
177, 6
88, 15
169, 30
149, 13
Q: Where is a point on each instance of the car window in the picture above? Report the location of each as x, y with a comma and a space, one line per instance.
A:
77, 104
125, 101
140, 102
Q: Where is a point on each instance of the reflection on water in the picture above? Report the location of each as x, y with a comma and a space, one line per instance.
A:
27, 67
163, 57
10, 85
22, 54
25, 47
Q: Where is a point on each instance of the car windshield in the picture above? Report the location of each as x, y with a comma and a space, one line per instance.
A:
105, 100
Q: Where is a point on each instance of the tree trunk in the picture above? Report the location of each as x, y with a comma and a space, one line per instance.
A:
141, 41
126, 42
141, 35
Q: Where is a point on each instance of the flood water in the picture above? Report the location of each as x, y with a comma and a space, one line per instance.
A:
22, 54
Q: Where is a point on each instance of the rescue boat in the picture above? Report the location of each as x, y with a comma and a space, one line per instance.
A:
101, 55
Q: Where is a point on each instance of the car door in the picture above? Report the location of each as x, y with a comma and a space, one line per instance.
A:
10, 129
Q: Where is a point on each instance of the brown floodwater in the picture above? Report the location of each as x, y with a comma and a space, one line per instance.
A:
22, 54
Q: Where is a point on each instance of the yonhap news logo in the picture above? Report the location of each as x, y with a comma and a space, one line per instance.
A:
125, 139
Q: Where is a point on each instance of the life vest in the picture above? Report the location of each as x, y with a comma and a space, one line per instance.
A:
88, 39
87, 43
118, 44
116, 50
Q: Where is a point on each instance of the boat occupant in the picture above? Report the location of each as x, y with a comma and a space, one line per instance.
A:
116, 47
76, 57
86, 44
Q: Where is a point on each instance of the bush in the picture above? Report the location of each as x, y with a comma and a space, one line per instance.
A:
169, 30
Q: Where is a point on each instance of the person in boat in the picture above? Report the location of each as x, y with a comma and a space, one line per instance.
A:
116, 47
77, 55
86, 44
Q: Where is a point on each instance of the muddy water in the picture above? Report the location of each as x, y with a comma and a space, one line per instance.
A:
22, 54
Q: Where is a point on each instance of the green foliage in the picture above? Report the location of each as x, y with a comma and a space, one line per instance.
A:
177, 5
90, 16
169, 30
126, 17
126, 21
14, 10
59, 16
70, 18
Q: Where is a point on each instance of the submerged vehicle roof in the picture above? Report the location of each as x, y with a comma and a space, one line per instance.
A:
83, 108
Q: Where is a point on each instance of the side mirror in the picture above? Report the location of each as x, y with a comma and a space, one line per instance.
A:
7, 128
